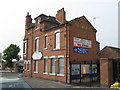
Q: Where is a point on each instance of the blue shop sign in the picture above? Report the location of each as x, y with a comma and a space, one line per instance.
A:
80, 50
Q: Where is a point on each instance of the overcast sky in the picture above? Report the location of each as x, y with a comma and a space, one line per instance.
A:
13, 12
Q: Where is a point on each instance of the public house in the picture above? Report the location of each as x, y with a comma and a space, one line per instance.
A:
60, 50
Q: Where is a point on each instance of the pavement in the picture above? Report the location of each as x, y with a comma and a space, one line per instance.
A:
44, 83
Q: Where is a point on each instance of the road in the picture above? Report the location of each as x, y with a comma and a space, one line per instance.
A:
42, 83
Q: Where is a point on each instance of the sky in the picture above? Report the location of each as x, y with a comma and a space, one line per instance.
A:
13, 12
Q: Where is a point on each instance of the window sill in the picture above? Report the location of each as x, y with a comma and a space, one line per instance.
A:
35, 72
45, 48
60, 74
52, 74
45, 73
55, 49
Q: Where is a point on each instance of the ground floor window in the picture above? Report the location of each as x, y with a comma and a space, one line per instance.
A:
53, 64
45, 65
35, 66
28, 67
61, 65
25, 66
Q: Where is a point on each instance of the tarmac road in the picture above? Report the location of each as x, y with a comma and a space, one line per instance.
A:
37, 83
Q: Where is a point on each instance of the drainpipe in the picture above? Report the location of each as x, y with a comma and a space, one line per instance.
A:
31, 53
66, 53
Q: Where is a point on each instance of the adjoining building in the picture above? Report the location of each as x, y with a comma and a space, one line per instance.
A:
60, 50
109, 65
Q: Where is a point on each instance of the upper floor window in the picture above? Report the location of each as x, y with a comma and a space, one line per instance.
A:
46, 41
37, 44
57, 39
24, 47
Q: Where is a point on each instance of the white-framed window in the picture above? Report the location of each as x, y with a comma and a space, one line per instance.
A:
57, 39
45, 65
61, 65
37, 44
25, 65
25, 47
35, 66
53, 65
46, 41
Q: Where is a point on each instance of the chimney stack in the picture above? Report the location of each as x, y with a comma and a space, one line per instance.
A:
61, 15
28, 20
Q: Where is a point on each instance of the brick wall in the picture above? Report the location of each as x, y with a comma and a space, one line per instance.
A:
106, 72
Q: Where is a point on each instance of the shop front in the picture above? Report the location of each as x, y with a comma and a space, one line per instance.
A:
84, 73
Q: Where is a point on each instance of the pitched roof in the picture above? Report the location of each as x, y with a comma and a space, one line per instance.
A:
31, 25
51, 19
41, 15
110, 52
114, 48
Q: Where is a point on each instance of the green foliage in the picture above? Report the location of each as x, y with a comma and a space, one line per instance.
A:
10, 53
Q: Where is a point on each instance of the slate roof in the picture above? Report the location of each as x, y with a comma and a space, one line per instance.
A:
115, 49
51, 19
43, 15
31, 25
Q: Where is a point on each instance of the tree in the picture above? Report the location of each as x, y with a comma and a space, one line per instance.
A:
10, 53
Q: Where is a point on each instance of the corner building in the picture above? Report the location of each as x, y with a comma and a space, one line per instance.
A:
57, 49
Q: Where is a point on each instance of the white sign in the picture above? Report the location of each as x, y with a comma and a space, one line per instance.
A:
82, 42
37, 55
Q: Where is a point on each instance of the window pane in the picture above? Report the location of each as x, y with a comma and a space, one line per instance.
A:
46, 41
28, 65
46, 65
53, 66
36, 44
61, 65
35, 66
24, 47
57, 40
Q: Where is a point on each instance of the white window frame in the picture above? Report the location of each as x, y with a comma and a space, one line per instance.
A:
25, 47
53, 57
61, 57
37, 40
45, 59
25, 65
36, 66
57, 39
28, 65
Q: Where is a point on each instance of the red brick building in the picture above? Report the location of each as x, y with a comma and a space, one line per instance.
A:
109, 65
58, 49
